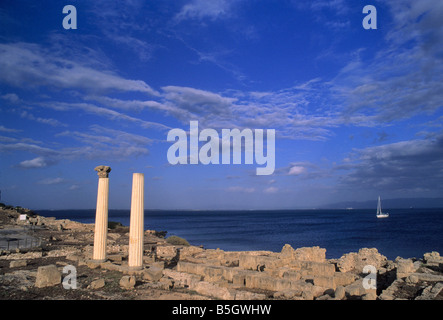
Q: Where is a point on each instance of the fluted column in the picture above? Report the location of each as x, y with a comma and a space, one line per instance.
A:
101, 214
136, 226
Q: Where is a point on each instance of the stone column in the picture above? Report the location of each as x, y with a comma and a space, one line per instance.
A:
136, 227
101, 215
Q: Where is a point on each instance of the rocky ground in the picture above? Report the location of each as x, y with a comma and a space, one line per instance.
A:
46, 269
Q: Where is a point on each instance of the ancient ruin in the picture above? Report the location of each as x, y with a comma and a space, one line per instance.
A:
136, 229
101, 218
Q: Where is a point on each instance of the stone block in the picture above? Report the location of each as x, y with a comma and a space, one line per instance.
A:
327, 282
213, 273
344, 279
262, 281
357, 261
127, 282
312, 268
47, 276
246, 295
291, 275
153, 273
339, 293
189, 251
314, 254
357, 289
404, 268
213, 290
97, 284
166, 252
17, 263
182, 279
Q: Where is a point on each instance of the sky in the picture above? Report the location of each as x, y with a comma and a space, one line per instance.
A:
357, 112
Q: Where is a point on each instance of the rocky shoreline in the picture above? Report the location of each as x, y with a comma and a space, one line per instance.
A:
60, 257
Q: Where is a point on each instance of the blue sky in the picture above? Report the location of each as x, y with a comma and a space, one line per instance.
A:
357, 113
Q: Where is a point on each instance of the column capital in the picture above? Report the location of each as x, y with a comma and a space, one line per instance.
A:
103, 171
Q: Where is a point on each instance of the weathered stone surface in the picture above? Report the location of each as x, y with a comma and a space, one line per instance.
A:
429, 277
327, 282
291, 275
412, 279
213, 290
431, 292
262, 281
313, 268
314, 254
127, 282
153, 273
344, 279
404, 268
357, 261
166, 252
287, 252
357, 289
18, 263
103, 171
433, 259
182, 279
47, 276
261, 263
246, 295
189, 251
389, 293
97, 284
339, 293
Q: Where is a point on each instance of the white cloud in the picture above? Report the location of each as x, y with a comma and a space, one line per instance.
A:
199, 9
104, 112
401, 166
4, 129
11, 97
271, 190
50, 181
29, 64
296, 170
241, 189
48, 121
405, 77
38, 162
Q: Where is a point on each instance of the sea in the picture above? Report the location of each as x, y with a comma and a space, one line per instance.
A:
406, 233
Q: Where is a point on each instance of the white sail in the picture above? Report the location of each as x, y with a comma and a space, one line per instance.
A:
380, 213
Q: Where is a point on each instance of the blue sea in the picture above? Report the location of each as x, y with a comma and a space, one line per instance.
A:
406, 233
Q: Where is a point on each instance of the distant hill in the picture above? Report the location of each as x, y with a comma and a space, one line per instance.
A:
389, 203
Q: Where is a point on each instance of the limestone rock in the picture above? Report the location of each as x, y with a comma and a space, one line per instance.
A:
47, 276
17, 263
127, 282
339, 293
412, 279
246, 295
154, 273
314, 254
97, 284
213, 290
433, 259
287, 252
357, 261
431, 292
404, 268
166, 252
182, 279
189, 251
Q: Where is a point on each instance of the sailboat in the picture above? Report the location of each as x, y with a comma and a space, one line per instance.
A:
380, 214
